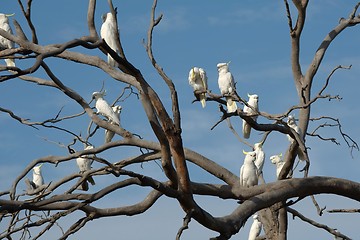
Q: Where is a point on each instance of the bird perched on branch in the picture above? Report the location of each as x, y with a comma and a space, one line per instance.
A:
248, 171
291, 123
255, 228
276, 159
226, 85
104, 108
4, 42
253, 102
110, 134
198, 81
108, 33
260, 157
84, 163
38, 179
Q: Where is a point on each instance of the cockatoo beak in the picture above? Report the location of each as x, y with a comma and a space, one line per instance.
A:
245, 152
10, 15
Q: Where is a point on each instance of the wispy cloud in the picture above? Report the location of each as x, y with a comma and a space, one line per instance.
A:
246, 16
174, 19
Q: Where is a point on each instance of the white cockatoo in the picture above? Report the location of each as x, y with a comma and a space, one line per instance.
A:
260, 157
253, 102
291, 123
226, 85
255, 228
110, 134
248, 171
198, 81
276, 159
38, 179
108, 33
84, 164
104, 108
4, 42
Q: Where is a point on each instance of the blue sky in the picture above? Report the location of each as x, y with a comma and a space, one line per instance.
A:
253, 35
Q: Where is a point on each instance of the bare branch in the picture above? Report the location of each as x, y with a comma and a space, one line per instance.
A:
344, 211
318, 225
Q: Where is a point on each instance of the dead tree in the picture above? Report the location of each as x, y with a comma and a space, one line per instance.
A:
42, 207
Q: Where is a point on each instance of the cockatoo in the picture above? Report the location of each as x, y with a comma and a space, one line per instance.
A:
110, 134
248, 171
108, 33
226, 85
276, 159
104, 108
255, 228
198, 81
84, 164
253, 102
6, 43
291, 123
260, 157
38, 179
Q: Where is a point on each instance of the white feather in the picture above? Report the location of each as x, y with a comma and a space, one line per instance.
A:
255, 228
253, 102
198, 81
38, 179
110, 134
291, 123
108, 33
84, 163
248, 171
260, 157
104, 108
4, 42
226, 85
279, 163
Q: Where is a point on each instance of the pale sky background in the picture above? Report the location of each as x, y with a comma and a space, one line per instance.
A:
254, 36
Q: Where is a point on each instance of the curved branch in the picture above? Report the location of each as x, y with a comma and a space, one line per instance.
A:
316, 224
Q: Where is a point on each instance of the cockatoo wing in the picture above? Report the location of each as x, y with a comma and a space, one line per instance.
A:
253, 102
255, 229
279, 167
292, 124
260, 159
104, 109
242, 183
227, 86
84, 164
109, 135
198, 81
246, 129
4, 42
300, 153
253, 176
108, 33
203, 82
203, 78
38, 179
231, 105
